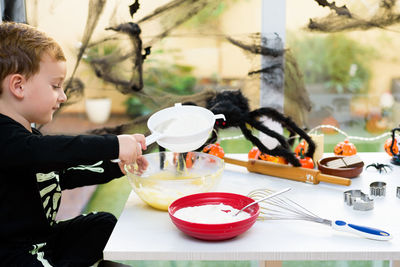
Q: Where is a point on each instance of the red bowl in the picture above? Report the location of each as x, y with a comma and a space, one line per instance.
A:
214, 231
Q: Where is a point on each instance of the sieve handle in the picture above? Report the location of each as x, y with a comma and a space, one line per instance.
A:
153, 138
364, 231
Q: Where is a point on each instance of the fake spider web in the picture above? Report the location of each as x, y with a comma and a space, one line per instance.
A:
385, 13
172, 15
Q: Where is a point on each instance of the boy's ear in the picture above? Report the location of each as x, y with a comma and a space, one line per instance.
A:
16, 85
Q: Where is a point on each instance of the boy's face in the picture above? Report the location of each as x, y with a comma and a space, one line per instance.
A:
44, 92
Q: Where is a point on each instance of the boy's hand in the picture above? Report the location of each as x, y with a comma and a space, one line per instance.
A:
130, 147
142, 164
141, 139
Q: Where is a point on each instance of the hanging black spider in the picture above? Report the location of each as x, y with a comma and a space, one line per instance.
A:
380, 167
234, 105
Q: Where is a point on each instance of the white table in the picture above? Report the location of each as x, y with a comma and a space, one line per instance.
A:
143, 233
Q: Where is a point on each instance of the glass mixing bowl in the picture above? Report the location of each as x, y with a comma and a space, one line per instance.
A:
170, 176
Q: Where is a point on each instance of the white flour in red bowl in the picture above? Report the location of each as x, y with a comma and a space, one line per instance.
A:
211, 214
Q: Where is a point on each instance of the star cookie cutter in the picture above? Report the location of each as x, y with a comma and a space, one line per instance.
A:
358, 200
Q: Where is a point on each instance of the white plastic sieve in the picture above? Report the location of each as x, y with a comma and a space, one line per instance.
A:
181, 128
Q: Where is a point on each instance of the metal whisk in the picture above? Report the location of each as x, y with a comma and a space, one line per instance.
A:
282, 208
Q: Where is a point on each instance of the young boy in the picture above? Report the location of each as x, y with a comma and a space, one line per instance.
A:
35, 168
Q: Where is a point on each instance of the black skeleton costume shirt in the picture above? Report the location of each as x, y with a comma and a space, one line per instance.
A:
34, 169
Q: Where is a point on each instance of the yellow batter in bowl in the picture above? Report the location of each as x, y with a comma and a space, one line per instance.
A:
167, 178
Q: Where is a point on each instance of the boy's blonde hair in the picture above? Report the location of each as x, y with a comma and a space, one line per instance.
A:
21, 49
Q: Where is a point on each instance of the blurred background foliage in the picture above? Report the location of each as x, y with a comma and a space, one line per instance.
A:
338, 62
165, 76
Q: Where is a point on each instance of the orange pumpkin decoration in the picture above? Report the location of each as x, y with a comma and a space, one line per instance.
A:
255, 153
301, 146
330, 121
388, 144
190, 158
376, 123
306, 162
345, 148
280, 160
214, 149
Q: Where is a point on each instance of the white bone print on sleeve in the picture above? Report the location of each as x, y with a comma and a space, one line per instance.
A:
50, 193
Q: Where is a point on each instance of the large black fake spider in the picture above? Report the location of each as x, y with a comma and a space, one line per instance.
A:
235, 106
380, 167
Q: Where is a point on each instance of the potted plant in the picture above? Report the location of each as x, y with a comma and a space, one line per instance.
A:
98, 109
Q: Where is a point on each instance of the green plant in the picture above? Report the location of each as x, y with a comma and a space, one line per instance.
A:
171, 78
135, 108
94, 58
337, 61
108, 54
208, 15
99, 50
162, 76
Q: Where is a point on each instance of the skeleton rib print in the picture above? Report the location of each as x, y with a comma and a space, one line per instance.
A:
50, 193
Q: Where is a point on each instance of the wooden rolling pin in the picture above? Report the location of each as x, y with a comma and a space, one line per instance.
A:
289, 172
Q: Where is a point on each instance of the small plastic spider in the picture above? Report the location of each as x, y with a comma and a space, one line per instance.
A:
380, 167
235, 106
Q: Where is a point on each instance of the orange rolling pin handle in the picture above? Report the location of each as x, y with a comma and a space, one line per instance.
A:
283, 171
333, 179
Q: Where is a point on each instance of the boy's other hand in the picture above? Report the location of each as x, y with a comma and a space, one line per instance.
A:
142, 164
141, 161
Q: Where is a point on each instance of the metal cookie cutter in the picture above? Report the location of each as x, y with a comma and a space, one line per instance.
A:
377, 189
358, 200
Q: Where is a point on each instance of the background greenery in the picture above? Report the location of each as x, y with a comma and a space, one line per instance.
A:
341, 63
161, 75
